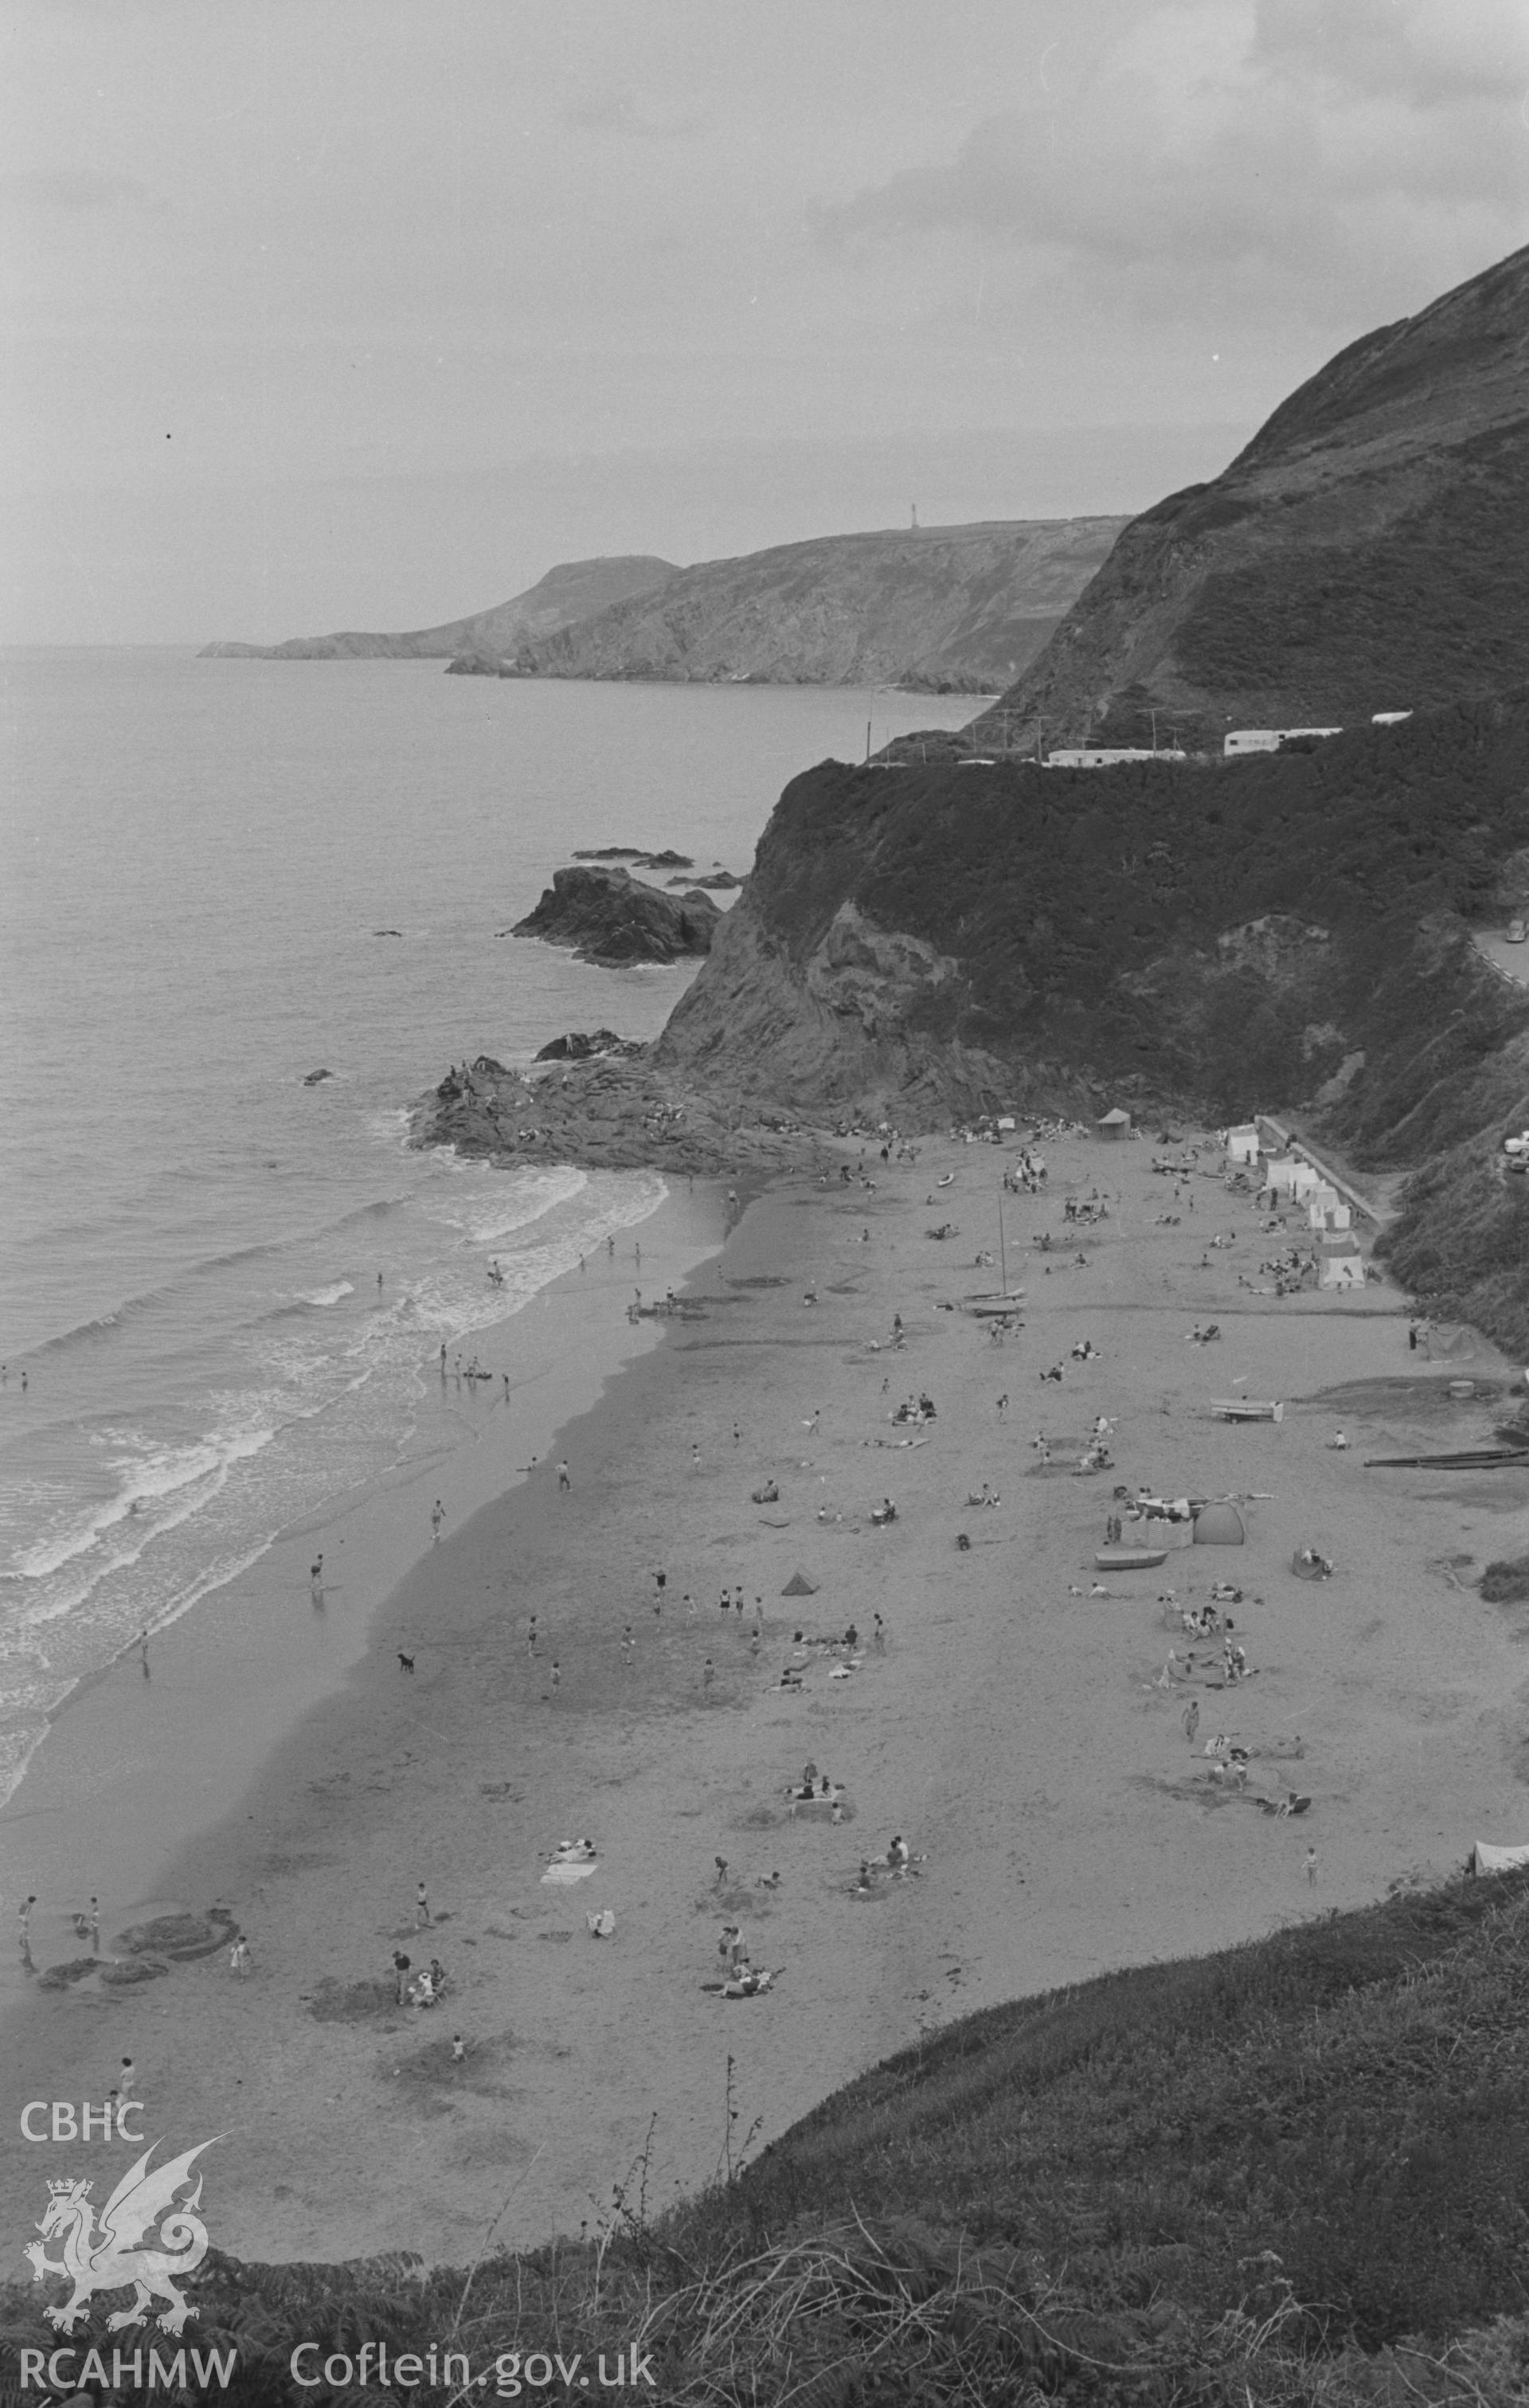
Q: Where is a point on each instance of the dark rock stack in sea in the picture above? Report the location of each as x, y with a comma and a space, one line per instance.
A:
609, 917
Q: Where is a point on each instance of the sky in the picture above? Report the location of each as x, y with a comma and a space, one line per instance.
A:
363, 313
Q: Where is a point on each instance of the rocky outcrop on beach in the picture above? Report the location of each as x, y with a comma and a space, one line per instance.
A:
611, 918
575, 589
952, 610
1365, 552
611, 1113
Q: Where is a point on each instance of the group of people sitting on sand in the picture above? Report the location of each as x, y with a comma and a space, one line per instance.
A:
914, 1408
896, 1865
428, 1987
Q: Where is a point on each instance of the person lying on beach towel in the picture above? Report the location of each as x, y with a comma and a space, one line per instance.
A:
751, 1984
768, 1494
574, 1851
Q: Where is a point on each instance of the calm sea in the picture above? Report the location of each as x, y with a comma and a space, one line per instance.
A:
225, 1287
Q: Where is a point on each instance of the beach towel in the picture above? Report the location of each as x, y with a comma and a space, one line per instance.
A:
1488, 1859
562, 1875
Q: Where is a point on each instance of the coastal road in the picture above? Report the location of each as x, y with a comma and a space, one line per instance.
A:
1511, 960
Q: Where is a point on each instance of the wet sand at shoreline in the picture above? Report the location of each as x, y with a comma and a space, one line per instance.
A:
1012, 1729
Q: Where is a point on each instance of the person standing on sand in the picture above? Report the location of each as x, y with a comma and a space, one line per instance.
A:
1190, 1719
238, 1959
437, 1515
557, 1676
505, 1376
627, 1644
422, 1907
565, 1478
443, 1358
459, 2046
24, 1919
879, 1634
709, 1673
531, 1637
400, 1976
92, 1925
1312, 1868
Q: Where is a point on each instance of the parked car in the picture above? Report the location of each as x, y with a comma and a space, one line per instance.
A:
1517, 931
1517, 1146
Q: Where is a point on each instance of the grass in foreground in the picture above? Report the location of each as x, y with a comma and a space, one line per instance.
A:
1290, 2172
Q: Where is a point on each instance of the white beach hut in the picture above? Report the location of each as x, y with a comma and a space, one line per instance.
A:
1242, 1143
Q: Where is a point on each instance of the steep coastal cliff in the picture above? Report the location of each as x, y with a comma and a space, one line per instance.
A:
1365, 552
1292, 932
1287, 933
950, 608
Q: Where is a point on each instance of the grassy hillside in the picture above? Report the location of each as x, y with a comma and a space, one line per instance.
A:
1294, 2172
1362, 554
959, 609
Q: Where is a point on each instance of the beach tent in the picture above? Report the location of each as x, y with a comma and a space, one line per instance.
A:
1304, 1181
1115, 1124
1242, 1143
1487, 1860
799, 1586
1219, 1525
1446, 1341
1280, 1175
1342, 1263
1326, 1210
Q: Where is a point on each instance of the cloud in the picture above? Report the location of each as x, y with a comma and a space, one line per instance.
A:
625, 112
1232, 149
75, 190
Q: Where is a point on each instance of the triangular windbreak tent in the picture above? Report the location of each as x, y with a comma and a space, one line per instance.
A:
799, 1586
1219, 1525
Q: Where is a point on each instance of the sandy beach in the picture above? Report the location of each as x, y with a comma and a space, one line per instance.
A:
1015, 1727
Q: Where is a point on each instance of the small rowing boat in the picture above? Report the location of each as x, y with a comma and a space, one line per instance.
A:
1480, 1458
1247, 1409
1129, 1559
